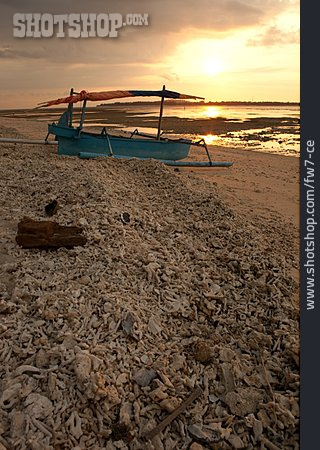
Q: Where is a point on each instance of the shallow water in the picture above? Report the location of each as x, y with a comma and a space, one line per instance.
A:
272, 129
236, 112
282, 138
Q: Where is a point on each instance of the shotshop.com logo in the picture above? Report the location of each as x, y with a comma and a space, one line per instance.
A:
84, 25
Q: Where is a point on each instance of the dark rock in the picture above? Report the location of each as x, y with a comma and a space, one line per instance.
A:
125, 217
143, 377
51, 208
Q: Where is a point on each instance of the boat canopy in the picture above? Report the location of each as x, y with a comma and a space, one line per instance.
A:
109, 95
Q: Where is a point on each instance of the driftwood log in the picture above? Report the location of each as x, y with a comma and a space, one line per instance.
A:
47, 234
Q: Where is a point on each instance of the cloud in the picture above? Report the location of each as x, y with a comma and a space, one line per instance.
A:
274, 36
140, 56
165, 16
169, 23
10, 52
170, 76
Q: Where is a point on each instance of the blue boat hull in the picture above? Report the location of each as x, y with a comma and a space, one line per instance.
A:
73, 142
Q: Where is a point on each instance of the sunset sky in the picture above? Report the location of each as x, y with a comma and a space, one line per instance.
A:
217, 49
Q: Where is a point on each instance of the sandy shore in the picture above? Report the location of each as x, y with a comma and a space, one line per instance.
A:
261, 184
195, 296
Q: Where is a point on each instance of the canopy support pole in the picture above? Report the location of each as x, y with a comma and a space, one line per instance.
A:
27, 141
160, 116
70, 109
83, 112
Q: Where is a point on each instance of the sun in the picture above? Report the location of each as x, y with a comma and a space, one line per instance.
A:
208, 60
211, 67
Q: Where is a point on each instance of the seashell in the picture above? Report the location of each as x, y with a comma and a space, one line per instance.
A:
243, 401
82, 366
165, 379
122, 379
74, 423
6, 307
125, 414
18, 424
195, 446
42, 359
154, 325
38, 406
205, 436
112, 395
26, 369
10, 396
52, 384
178, 362
158, 394
145, 359
83, 222
170, 404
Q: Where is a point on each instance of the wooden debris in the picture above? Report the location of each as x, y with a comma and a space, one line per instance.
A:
162, 425
47, 234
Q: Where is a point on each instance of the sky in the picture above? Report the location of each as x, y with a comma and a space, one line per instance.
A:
217, 49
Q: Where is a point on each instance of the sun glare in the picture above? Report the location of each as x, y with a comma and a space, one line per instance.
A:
211, 67
207, 59
211, 111
210, 139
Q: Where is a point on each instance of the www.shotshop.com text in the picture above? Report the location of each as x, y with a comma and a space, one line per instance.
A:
309, 238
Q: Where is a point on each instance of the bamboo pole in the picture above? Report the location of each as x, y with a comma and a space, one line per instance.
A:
160, 116
27, 141
83, 112
70, 109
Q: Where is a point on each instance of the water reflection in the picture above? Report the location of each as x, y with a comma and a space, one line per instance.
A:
210, 139
211, 111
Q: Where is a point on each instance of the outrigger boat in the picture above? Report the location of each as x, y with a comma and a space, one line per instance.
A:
74, 141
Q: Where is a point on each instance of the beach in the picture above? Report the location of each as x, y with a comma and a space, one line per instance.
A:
259, 184
199, 288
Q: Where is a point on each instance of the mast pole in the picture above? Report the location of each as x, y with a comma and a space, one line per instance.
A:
70, 109
160, 116
84, 105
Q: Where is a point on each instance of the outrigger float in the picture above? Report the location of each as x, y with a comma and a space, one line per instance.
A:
74, 141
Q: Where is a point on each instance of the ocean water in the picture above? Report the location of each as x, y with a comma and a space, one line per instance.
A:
272, 129
283, 137
239, 112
